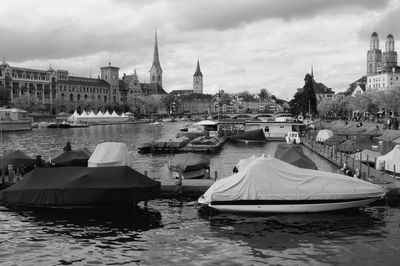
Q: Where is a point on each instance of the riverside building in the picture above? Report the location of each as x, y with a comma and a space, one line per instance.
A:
56, 90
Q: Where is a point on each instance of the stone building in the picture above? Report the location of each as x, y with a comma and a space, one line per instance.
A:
58, 91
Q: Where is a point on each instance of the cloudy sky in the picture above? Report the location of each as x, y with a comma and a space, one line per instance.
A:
241, 44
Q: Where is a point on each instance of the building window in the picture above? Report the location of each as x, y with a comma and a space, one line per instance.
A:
71, 97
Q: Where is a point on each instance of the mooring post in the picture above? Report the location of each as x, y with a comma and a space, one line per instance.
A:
215, 175
3, 175
394, 171
38, 161
354, 161
360, 160
145, 173
180, 184
368, 166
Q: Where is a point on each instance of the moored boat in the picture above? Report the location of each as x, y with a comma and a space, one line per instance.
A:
267, 184
190, 166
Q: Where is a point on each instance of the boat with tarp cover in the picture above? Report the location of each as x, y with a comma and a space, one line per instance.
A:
294, 155
266, 184
190, 165
109, 181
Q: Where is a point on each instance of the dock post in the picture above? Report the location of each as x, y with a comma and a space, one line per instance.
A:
215, 175
341, 159
353, 161
145, 173
368, 167
38, 161
394, 171
3, 175
180, 184
360, 160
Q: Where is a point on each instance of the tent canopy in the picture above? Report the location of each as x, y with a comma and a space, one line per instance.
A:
294, 155
323, 135
110, 154
390, 160
267, 178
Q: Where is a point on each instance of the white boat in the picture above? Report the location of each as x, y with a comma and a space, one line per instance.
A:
265, 184
158, 123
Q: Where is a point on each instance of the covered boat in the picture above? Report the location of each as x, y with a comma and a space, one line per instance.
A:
253, 135
71, 157
267, 184
294, 155
190, 165
81, 187
110, 154
18, 159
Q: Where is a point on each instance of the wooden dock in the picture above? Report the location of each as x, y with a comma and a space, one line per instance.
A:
368, 173
189, 188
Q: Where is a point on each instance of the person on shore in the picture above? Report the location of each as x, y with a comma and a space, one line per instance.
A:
235, 169
357, 174
346, 170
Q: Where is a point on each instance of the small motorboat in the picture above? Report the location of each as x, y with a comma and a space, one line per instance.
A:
190, 166
266, 184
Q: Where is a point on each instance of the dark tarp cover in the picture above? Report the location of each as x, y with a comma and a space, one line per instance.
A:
253, 135
78, 157
18, 159
294, 155
205, 141
335, 140
81, 186
189, 162
350, 146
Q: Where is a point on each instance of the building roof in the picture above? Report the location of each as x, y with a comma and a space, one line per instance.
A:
85, 81
320, 88
152, 88
353, 85
181, 92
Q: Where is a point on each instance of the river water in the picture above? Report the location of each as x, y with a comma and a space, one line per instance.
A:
179, 232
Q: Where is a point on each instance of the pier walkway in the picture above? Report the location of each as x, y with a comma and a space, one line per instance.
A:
368, 173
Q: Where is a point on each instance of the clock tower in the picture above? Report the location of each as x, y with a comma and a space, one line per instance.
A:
198, 80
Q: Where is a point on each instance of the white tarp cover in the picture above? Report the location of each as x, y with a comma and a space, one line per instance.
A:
110, 154
205, 123
390, 160
323, 135
267, 178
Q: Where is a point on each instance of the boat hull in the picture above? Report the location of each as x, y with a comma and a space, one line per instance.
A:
300, 207
195, 174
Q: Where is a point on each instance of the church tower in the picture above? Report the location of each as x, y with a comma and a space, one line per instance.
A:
198, 80
390, 55
374, 55
156, 70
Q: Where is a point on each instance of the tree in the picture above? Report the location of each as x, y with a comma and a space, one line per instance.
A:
263, 94
246, 96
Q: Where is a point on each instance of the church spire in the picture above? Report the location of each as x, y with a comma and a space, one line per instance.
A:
156, 59
156, 70
198, 73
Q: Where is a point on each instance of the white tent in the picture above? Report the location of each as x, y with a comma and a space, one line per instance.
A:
99, 114
390, 160
107, 114
110, 154
91, 114
323, 135
267, 178
114, 114
83, 115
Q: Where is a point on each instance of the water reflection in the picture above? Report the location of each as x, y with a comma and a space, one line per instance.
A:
298, 238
